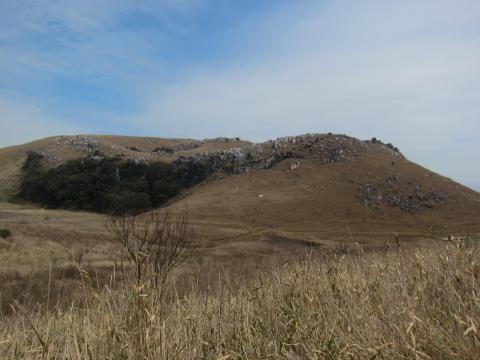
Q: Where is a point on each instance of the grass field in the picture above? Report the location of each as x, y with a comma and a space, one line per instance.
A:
289, 264
49, 245
394, 304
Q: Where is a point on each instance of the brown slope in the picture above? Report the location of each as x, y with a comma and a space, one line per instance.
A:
318, 203
322, 200
330, 193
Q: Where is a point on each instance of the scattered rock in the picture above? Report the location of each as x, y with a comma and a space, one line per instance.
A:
138, 160
186, 146
164, 150
294, 166
220, 140
47, 156
77, 143
97, 155
406, 196
327, 148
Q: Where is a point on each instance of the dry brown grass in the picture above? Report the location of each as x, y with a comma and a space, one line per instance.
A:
415, 304
56, 287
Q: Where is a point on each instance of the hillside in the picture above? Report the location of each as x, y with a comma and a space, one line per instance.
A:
256, 204
324, 177
316, 189
59, 149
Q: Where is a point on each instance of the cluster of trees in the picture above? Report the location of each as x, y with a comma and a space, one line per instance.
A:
106, 184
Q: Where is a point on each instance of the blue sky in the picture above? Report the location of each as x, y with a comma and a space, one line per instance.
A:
407, 72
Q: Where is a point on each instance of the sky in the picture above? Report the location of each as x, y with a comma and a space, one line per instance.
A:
406, 72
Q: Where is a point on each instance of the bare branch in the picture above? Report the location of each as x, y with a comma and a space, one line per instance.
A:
156, 243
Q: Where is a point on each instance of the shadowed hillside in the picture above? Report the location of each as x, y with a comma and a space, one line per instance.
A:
57, 150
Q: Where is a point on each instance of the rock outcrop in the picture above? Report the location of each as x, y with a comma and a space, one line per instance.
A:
404, 195
327, 148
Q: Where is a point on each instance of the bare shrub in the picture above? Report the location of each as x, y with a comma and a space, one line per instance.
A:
155, 242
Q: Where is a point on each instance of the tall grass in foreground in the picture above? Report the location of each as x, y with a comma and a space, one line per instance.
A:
421, 304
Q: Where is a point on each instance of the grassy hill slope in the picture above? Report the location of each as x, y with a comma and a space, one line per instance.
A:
59, 149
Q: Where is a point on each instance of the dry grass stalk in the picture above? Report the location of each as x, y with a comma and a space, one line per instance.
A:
421, 304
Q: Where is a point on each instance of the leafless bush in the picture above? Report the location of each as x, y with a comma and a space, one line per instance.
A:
155, 242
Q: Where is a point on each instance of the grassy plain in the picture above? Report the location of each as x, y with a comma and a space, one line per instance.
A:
394, 304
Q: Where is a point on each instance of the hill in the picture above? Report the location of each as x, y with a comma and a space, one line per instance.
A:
323, 190
57, 150
302, 182
368, 187
251, 205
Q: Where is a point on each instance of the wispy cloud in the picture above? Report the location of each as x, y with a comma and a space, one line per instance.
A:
68, 65
404, 71
82, 38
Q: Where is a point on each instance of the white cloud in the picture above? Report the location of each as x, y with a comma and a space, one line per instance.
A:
406, 72
83, 38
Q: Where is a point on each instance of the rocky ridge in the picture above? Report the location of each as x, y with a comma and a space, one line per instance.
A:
328, 148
